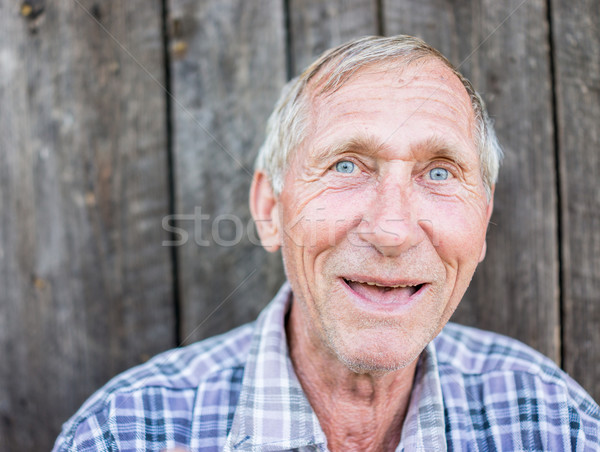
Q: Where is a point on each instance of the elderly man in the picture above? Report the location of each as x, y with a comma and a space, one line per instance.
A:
376, 181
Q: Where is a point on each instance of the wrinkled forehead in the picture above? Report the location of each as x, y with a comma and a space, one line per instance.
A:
327, 81
416, 86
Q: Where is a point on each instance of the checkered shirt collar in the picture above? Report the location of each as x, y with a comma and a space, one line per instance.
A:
273, 413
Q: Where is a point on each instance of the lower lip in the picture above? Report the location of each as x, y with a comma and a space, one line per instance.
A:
391, 308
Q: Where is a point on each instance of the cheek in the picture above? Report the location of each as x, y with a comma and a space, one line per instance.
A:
456, 230
327, 218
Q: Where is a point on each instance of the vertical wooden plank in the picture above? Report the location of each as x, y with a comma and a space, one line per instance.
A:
503, 48
86, 288
228, 65
576, 41
316, 26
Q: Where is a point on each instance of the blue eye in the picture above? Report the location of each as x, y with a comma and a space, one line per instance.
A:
439, 174
345, 166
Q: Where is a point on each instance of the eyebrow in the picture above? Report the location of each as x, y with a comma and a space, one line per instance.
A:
364, 145
435, 147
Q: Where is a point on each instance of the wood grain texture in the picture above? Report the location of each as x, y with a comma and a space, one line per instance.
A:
228, 66
576, 38
86, 286
503, 48
316, 26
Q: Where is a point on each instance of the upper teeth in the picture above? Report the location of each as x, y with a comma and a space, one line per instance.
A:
383, 285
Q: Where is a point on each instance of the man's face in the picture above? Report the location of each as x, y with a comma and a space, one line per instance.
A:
383, 214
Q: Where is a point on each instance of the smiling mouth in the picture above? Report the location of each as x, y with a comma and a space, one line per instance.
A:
383, 293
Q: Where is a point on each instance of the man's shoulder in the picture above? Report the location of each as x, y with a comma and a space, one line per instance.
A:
185, 367
170, 381
489, 362
474, 351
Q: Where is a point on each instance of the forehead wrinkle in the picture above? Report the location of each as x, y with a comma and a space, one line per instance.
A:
457, 107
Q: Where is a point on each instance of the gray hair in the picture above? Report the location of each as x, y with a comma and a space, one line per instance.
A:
287, 124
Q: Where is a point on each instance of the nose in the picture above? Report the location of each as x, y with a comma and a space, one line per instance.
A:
389, 222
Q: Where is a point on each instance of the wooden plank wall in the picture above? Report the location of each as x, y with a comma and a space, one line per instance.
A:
228, 65
125, 125
576, 49
86, 292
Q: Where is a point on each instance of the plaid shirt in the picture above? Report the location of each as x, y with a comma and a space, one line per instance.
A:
473, 391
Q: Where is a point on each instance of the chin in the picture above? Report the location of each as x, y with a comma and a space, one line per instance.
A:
376, 356
368, 365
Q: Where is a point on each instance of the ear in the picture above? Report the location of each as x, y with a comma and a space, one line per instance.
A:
488, 214
265, 212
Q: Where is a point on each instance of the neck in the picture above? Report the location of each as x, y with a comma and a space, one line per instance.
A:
357, 411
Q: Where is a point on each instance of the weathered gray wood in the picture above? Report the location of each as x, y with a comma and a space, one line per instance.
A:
576, 39
86, 288
503, 48
316, 26
228, 65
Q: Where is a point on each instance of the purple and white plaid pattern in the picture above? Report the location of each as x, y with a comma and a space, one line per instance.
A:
473, 391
